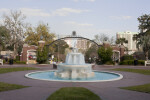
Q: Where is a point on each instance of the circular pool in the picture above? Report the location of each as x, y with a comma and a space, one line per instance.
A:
100, 76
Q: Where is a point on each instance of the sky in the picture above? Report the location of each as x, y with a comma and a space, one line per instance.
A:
87, 17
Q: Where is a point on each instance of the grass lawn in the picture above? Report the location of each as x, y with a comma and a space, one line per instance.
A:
7, 87
73, 93
140, 88
140, 71
6, 70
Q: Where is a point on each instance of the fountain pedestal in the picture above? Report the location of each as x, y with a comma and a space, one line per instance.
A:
74, 67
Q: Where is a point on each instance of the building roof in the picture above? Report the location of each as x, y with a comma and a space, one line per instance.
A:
127, 32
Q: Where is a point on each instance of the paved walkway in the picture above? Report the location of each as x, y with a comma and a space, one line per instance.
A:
40, 90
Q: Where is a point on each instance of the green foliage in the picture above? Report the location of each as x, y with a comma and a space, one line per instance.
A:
140, 88
141, 62
17, 58
127, 57
142, 38
131, 62
4, 37
33, 35
14, 22
109, 63
105, 54
91, 53
42, 55
20, 62
121, 41
144, 25
60, 46
73, 93
7, 87
140, 71
144, 43
7, 70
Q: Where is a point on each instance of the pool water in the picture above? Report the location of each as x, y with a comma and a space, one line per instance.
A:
100, 76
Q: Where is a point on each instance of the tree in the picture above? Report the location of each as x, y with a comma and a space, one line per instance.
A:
91, 53
4, 37
105, 54
14, 22
33, 35
144, 24
143, 37
60, 46
42, 55
121, 41
144, 27
101, 38
144, 43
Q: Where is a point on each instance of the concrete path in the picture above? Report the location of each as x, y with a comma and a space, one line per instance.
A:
40, 90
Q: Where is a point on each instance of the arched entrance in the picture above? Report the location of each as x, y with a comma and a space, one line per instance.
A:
81, 42
116, 56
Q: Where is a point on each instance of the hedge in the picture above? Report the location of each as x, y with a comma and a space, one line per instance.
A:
131, 62
20, 62
15, 62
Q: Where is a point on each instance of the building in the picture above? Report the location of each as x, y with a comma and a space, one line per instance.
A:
28, 54
78, 43
131, 45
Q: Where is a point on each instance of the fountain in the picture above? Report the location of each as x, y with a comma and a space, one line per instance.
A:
74, 67
74, 70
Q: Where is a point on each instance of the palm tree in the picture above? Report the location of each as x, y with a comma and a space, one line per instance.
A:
144, 43
121, 41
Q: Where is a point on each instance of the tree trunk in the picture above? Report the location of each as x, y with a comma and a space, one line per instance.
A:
146, 55
15, 51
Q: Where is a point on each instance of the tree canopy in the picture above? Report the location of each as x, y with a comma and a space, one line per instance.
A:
144, 24
101, 38
4, 37
33, 35
143, 38
105, 54
14, 22
121, 41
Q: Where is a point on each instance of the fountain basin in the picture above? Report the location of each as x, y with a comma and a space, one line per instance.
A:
100, 76
74, 71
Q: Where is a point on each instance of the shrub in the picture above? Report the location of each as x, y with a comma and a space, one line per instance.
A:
17, 58
105, 54
131, 62
4, 61
125, 62
42, 55
127, 57
109, 63
20, 62
141, 62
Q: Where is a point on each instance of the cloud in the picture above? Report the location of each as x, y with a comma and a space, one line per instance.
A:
67, 11
85, 0
34, 12
78, 24
4, 10
42, 13
121, 17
